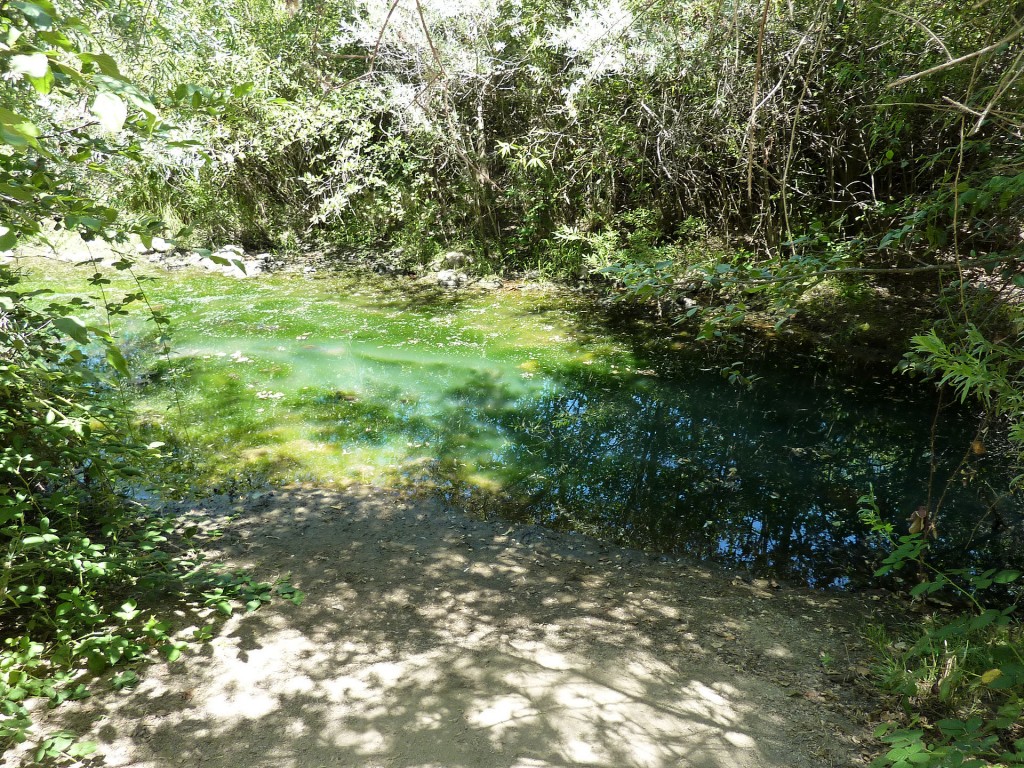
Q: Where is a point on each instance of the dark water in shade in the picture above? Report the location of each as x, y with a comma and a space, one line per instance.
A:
534, 405
767, 478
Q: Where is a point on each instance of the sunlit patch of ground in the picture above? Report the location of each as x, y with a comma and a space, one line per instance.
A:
428, 639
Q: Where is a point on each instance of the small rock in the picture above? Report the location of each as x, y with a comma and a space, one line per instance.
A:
451, 260
449, 278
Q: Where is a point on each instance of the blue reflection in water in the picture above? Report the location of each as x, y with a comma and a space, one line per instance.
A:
768, 479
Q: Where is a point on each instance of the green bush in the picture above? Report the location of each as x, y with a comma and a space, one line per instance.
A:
959, 678
90, 574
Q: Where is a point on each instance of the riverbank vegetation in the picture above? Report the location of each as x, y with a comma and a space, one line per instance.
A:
841, 166
802, 160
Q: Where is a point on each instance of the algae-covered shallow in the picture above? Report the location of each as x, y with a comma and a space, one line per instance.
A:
533, 403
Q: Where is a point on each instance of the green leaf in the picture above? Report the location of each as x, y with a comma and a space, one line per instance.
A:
30, 65
920, 589
82, 748
951, 727
57, 39
128, 93
1005, 577
16, 130
983, 620
54, 746
129, 610
38, 14
116, 360
124, 680
42, 84
73, 327
35, 540
89, 223
110, 110
102, 62
8, 239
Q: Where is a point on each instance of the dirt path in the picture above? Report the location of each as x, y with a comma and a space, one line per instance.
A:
431, 640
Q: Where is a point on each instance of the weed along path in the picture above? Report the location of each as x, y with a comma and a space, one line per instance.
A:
429, 639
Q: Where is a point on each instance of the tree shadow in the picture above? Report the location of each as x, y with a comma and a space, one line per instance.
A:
430, 639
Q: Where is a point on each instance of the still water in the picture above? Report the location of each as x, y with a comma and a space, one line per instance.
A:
537, 405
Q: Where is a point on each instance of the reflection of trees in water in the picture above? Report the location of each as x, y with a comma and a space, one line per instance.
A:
766, 479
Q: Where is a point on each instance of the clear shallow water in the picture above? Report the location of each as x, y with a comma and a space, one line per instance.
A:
536, 406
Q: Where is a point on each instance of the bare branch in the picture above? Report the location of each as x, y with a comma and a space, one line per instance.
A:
380, 37
430, 40
959, 60
920, 25
1008, 79
752, 124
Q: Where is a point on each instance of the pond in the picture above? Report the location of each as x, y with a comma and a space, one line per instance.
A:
537, 405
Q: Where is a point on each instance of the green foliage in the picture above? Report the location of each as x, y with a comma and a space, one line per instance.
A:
961, 686
87, 572
960, 678
990, 371
534, 133
630, 253
66, 111
90, 575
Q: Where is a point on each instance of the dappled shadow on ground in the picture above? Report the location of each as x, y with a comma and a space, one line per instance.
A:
430, 639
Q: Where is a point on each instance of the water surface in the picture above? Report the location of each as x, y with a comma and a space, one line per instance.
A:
536, 404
